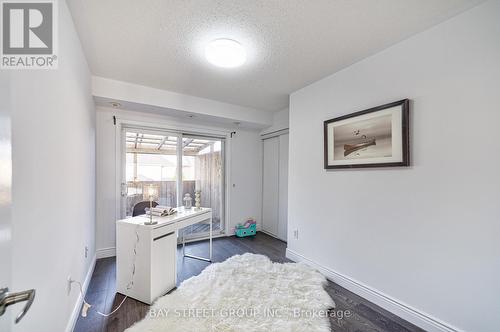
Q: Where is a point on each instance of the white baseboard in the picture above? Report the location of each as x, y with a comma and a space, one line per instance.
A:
76, 310
106, 252
272, 235
408, 313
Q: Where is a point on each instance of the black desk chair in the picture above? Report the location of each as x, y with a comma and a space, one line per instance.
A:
139, 208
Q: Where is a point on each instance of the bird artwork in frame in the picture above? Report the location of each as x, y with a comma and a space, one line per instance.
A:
376, 137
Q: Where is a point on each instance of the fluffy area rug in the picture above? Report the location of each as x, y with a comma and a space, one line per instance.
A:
244, 293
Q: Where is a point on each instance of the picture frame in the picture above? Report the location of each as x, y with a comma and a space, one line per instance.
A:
375, 137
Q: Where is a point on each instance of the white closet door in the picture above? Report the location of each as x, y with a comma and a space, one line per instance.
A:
283, 188
270, 197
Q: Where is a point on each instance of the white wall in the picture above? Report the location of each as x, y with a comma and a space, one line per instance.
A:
245, 171
53, 125
246, 176
428, 235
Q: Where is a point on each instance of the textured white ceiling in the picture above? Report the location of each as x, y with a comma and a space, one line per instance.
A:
290, 43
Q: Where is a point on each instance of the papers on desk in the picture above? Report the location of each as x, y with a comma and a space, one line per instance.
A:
160, 211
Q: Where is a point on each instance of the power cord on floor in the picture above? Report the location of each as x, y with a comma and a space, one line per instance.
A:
87, 306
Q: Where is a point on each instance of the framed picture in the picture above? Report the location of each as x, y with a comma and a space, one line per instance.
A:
376, 137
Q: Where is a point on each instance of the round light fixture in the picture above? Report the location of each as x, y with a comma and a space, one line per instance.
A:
226, 53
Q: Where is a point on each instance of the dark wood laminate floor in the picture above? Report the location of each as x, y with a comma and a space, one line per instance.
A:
364, 315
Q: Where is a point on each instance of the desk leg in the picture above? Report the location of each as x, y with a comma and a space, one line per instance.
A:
183, 242
210, 235
209, 259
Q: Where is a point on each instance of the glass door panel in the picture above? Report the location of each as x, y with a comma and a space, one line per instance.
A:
203, 170
151, 159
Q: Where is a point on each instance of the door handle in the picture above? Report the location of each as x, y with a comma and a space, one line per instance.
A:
8, 298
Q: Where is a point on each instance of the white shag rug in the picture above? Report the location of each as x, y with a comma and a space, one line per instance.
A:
244, 293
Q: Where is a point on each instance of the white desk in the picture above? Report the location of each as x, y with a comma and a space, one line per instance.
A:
155, 247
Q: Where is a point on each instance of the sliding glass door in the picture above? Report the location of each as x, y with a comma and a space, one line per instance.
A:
203, 171
173, 163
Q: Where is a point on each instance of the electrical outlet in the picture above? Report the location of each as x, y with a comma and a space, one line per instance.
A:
296, 234
86, 251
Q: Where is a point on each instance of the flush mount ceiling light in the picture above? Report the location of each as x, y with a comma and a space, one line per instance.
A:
226, 53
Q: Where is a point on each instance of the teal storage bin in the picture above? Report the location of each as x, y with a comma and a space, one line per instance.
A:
242, 231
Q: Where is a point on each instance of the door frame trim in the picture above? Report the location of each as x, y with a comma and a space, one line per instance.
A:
6, 167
